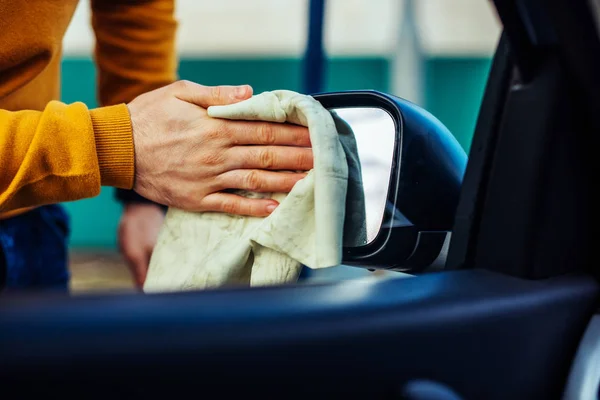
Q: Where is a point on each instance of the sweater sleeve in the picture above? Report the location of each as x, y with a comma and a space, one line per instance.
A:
63, 153
135, 53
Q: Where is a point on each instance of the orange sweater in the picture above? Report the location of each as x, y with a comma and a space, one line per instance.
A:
52, 152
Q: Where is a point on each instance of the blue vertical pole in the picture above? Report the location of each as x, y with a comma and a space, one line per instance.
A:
314, 63
314, 59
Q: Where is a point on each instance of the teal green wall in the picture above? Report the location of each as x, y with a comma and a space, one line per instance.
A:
453, 89
453, 92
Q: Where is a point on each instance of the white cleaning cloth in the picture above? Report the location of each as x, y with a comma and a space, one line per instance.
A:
202, 250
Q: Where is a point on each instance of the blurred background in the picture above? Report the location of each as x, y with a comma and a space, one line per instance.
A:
436, 53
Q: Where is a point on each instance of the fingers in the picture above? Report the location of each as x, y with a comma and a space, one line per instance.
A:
141, 270
269, 133
270, 157
137, 261
206, 96
238, 205
260, 181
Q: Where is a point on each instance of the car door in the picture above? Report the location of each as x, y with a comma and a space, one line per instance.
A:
503, 320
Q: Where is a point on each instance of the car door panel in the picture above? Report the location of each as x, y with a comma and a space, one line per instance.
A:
482, 334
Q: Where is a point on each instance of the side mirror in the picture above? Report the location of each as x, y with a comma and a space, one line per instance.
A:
411, 171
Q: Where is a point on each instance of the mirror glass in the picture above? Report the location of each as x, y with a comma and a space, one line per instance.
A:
370, 156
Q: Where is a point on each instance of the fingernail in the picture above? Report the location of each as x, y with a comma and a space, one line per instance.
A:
240, 92
271, 208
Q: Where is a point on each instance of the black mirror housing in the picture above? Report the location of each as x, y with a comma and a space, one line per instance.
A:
425, 181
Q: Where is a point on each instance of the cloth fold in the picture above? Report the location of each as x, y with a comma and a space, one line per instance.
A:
203, 250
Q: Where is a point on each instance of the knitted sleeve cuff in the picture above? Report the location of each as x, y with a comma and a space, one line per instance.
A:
114, 145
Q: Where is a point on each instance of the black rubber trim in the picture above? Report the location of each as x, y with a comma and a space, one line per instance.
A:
472, 196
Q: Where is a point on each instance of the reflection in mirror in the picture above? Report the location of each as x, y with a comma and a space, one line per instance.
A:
375, 134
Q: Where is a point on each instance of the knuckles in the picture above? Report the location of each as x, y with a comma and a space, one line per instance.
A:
182, 85
216, 93
215, 131
212, 159
266, 158
304, 160
230, 206
253, 181
266, 134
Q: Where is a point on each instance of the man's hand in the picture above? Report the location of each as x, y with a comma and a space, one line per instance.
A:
185, 159
138, 232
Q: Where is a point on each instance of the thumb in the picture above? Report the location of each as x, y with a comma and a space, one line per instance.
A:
206, 96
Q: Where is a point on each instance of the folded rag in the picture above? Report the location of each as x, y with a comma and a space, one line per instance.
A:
203, 250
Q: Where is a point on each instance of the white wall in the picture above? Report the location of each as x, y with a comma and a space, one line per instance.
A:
457, 27
278, 27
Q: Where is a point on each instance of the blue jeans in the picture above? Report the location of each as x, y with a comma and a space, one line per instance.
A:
34, 249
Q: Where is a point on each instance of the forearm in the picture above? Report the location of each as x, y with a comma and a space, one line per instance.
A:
63, 153
135, 47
